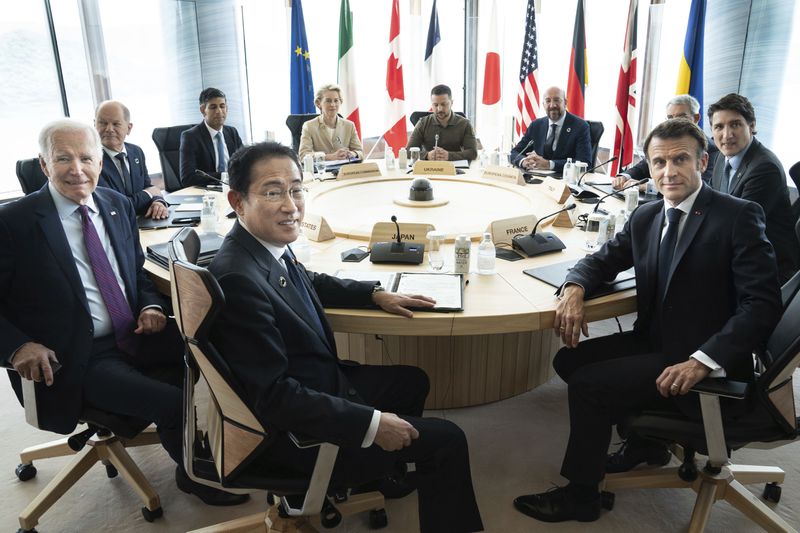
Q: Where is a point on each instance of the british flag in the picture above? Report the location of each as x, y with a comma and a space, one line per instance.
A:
528, 95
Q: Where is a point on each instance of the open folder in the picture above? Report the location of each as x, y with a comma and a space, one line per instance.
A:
556, 273
446, 289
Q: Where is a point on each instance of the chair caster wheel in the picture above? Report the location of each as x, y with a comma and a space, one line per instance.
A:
329, 516
772, 492
111, 471
149, 515
340, 496
25, 473
687, 472
607, 500
20, 530
378, 519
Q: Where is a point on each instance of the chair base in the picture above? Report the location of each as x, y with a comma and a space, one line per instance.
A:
106, 450
728, 485
272, 522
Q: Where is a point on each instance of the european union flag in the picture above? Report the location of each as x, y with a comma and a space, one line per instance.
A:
690, 73
302, 89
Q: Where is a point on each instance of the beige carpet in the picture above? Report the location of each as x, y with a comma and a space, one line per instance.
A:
516, 447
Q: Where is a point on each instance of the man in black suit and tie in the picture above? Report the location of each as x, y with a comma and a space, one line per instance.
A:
74, 296
124, 169
550, 140
274, 335
747, 169
209, 145
707, 296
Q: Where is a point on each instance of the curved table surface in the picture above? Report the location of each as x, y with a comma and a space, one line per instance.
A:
507, 302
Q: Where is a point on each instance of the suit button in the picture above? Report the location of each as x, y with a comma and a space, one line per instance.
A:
351, 391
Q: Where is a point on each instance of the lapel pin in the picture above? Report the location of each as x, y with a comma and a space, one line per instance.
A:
136, 160
698, 213
569, 130
282, 281
113, 213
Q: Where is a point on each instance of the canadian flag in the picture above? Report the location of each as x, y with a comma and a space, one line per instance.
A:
395, 136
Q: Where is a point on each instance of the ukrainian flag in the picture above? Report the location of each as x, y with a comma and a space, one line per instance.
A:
690, 73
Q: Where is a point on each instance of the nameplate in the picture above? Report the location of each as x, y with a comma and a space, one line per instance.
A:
409, 232
556, 189
436, 168
507, 174
566, 219
316, 228
504, 230
358, 170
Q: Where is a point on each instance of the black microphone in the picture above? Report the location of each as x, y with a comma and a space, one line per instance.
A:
397, 226
200, 174
634, 184
584, 195
397, 251
522, 152
540, 243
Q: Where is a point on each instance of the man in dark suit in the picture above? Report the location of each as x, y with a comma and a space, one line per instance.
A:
747, 169
124, 169
209, 145
74, 296
680, 106
276, 339
707, 296
550, 140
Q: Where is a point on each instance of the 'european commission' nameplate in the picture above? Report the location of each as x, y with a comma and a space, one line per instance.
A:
507, 174
504, 230
358, 170
435, 168
556, 189
409, 232
316, 228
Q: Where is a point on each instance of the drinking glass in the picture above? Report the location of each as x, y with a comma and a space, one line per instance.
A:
413, 154
435, 251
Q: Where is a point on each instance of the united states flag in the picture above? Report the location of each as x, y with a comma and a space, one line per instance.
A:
528, 96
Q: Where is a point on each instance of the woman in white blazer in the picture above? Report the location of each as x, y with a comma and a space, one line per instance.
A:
330, 133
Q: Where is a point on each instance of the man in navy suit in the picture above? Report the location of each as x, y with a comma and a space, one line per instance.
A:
124, 169
208, 146
274, 335
550, 140
74, 295
707, 295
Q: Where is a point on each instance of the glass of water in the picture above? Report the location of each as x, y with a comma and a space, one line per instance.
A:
319, 162
413, 154
435, 251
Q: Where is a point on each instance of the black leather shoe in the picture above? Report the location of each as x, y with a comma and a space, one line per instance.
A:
556, 505
209, 495
634, 452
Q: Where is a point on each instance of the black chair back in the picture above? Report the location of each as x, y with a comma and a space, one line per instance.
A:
168, 142
416, 115
30, 175
596, 130
295, 125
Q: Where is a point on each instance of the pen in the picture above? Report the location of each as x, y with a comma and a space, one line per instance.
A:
435, 141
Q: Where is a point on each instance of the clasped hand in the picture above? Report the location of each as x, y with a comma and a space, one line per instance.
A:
394, 433
534, 160
438, 154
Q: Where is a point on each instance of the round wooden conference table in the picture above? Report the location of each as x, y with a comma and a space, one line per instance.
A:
502, 344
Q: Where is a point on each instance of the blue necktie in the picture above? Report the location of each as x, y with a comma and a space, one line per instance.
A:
550, 141
726, 184
294, 276
220, 152
667, 250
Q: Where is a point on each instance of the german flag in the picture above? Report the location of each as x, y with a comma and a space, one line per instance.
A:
579, 67
690, 72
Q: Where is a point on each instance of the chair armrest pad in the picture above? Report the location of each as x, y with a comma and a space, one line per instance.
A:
722, 387
302, 441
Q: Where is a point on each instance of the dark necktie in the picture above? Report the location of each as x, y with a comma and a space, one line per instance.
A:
126, 175
550, 141
294, 276
726, 182
118, 308
220, 152
667, 250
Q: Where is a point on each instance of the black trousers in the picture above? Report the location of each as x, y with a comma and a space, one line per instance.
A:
146, 386
446, 497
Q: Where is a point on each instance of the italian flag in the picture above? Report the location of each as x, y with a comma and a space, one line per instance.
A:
346, 75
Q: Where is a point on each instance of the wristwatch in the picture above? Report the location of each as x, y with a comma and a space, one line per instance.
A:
378, 288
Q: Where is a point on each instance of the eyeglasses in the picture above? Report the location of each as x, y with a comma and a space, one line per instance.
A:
275, 196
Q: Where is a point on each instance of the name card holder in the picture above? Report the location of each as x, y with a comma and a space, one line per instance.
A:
566, 219
504, 230
435, 168
316, 228
359, 170
409, 232
556, 189
508, 174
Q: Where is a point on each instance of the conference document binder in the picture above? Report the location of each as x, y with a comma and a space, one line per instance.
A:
556, 273
447, 289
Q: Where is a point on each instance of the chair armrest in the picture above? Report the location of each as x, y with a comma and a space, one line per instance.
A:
727, 388
302, 441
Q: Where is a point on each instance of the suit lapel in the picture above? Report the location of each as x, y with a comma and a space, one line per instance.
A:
110, 170
695, 219
651, 259
751, 153
135, 166
208, 143
53, 230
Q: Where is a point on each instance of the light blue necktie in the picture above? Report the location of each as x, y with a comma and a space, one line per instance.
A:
726, 185
220, 152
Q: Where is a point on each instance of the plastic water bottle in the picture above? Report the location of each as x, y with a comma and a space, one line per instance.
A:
569, 172
486, 255
461, 262
302, 249
620, 223
208, 215
402, 159
388, 158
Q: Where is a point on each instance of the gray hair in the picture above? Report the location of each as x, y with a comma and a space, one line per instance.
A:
328, 87
126, 113
687, 100
65, 125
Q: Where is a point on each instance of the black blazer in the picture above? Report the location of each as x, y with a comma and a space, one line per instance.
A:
140, 179
290, 374
197, 153
722, 295
760, 179
574, 141
640, 170
42, 297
